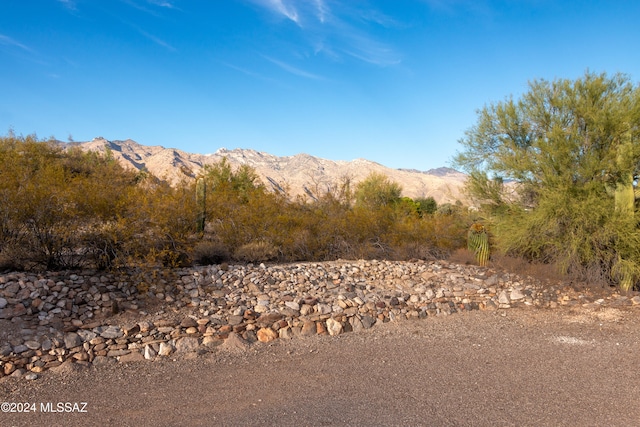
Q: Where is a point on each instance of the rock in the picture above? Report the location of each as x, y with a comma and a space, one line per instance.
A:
334, 327
81, 355
309, 328
31, 376
235, 319
145, 326
149, 352
267, 319
188, 322
129, 331
211, 341
515, 295
21, 348
86, 335
5, 349
285, 333
118, 352
266, 335
18, 373
165, 349
9, 367
260, 308
503, 298
235, 342
320, 328
323, 308
368, 322
3, 303
293, 305
187, 344
72, 340
109, 332
356, 324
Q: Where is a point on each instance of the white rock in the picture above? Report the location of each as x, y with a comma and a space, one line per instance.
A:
503, 298
259, 308
334, 327
292, 305
3, 303
516, 294
149, 352
165, 349
323, 308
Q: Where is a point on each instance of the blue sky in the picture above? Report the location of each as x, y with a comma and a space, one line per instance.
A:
393, 81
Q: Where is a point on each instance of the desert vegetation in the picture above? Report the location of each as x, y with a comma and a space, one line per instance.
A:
64, 208
555, 173
553, 176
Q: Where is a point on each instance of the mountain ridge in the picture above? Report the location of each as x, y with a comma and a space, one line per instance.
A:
301, 174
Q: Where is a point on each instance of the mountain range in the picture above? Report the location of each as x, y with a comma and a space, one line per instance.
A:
301, 174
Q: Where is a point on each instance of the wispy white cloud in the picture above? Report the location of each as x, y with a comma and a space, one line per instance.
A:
8, 41
163, 3
247, 72
280, 7
322, 10
69, 4
293, 70
339, 30
150, 6
156, 40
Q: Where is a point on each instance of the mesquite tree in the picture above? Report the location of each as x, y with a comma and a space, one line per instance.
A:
571, 150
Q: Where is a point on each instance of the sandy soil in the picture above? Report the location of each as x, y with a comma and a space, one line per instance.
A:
520, 367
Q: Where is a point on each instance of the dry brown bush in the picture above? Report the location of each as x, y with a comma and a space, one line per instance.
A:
523, 267
256, 252
209, 252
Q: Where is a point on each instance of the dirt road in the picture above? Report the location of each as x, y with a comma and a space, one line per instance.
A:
527, 368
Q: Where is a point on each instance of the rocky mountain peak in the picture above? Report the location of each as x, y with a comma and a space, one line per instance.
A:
302, 173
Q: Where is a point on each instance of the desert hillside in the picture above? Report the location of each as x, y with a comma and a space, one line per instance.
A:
301, 174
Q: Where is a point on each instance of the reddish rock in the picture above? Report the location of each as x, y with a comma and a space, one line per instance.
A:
266, 335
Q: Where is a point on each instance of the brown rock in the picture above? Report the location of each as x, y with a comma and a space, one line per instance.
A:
309, 328
320, 328
268, 319
188, 322
266, 335
82, 355
9, 368
235, 342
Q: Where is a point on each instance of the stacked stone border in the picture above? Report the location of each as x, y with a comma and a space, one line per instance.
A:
92, 317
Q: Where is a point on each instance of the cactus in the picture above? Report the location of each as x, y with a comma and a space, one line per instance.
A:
478, 243
624, 197
201, 203
624, 272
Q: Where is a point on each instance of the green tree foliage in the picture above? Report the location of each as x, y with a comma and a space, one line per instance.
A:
427, 206
571, 150
377, 191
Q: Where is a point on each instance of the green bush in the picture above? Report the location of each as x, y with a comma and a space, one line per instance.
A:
570, 151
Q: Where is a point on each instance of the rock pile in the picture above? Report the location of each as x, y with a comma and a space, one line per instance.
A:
89, 317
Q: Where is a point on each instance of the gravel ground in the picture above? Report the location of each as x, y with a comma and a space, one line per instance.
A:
520, 367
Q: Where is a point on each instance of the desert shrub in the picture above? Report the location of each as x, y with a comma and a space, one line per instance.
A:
209, 252
256, 252
570, 150
64, 208
52, 199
